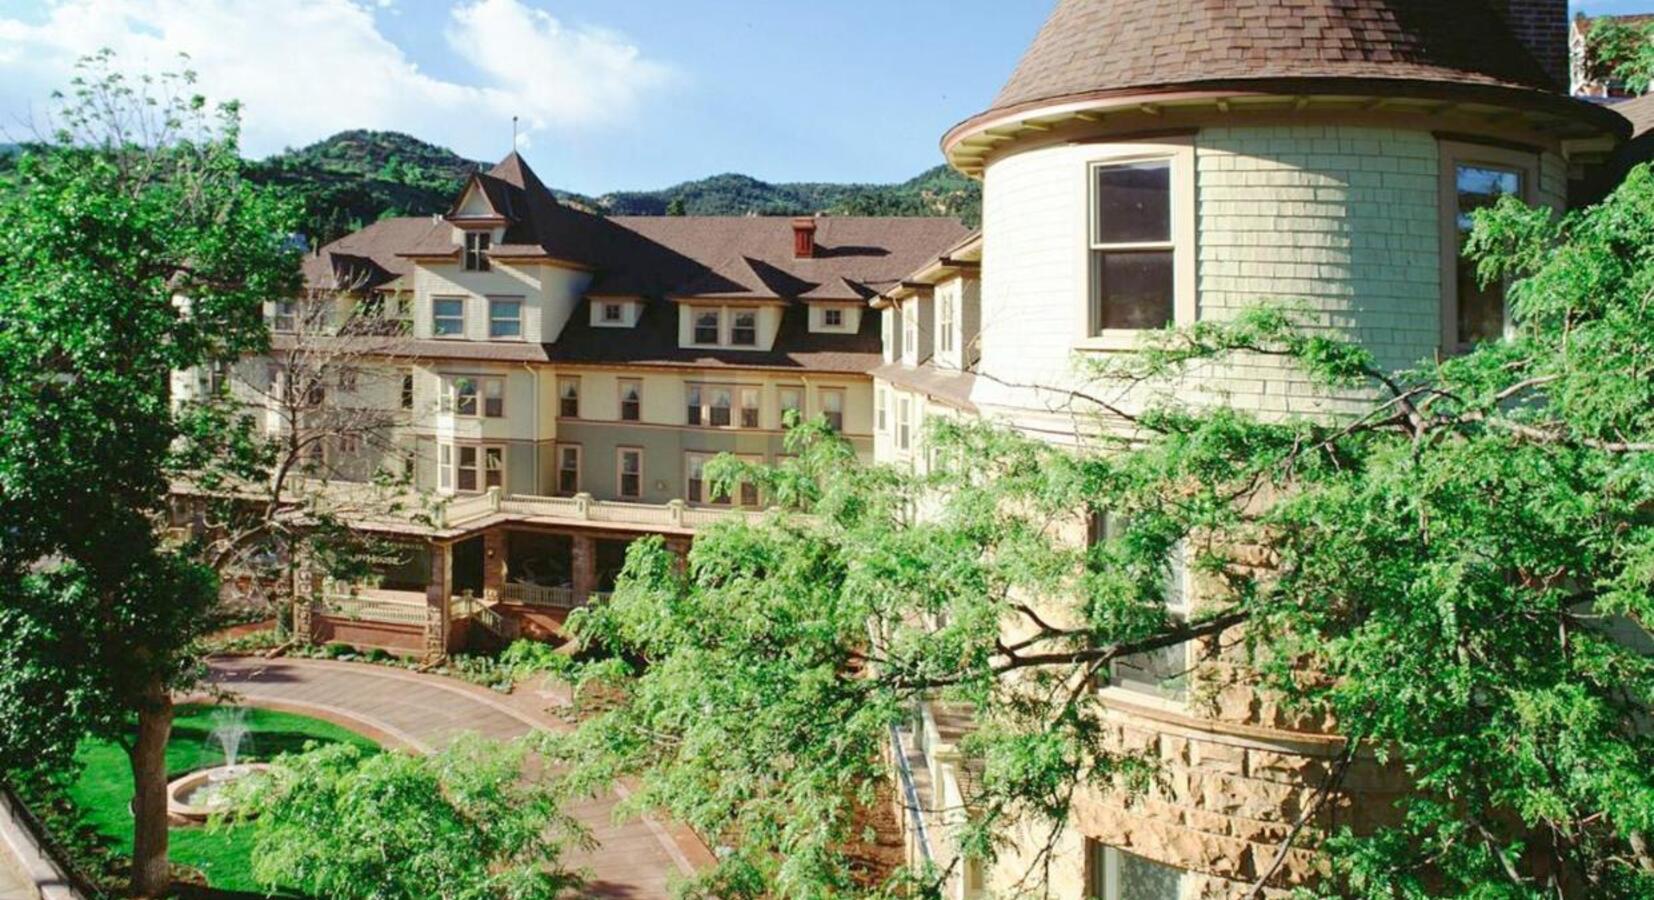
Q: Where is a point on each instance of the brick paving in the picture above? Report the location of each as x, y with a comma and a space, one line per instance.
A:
634, 859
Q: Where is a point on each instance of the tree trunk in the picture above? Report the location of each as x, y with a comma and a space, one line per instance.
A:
151, 871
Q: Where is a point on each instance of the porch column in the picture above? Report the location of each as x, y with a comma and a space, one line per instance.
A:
679, 547
493, 564
308, 582
585, 567
438, 597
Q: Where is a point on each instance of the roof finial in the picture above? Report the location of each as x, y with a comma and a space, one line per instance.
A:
513, 134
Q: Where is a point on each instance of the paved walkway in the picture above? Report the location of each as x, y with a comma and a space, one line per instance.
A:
634, 859
13, 886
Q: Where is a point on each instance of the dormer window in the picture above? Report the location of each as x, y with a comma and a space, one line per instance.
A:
744, 331
707, 326
476, 251
832, 318
613, 312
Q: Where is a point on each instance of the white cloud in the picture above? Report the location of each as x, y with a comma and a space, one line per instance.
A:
304, 69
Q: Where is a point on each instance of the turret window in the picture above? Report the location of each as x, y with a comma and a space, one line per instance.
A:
1474, 178
1133, 274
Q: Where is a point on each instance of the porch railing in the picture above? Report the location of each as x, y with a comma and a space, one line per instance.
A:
369, 609
482, 614
558, 597
583, 508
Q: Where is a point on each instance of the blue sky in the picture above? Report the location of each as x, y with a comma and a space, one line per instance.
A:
612, 94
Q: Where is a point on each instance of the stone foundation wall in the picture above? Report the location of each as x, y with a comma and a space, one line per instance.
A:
404, 640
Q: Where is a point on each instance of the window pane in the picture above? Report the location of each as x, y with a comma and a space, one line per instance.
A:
1161, 673
1131, 289
1481, 309
706, 328
505, 318
1134, 203
1142, 879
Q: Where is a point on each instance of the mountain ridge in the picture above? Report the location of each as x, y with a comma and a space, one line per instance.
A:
359, 176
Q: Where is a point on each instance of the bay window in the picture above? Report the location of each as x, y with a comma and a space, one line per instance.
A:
466, 395
1133, 282
791, 399
1474, 178
749, 407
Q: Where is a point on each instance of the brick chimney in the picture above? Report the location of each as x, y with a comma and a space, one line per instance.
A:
804, 238
1542, 27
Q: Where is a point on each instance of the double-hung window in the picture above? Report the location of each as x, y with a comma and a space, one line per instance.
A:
832, 406
285, 317
568, 470
469, 396
696, 487
631, 400
475, 468
1162, 673
568, 398
1115, 874
1133, 252
743, 329
505, 318
693, 413
881, 399
904, 423
629, 472
448, 317
749, 407
719, 401
1473, 178
791, 400
708, 325
476, 251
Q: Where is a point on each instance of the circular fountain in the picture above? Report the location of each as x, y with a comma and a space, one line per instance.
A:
198, 795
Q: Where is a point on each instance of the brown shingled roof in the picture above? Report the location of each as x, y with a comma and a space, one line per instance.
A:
367, 258
1639, 111
1089, 47
660, 259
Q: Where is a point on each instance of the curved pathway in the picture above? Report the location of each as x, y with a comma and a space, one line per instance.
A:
635, 858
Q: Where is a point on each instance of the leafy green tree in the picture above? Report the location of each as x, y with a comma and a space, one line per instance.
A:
463, 824
1467, 566
676, 207
130, 247
1617, 51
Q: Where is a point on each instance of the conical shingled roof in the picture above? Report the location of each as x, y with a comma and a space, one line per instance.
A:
1095, 46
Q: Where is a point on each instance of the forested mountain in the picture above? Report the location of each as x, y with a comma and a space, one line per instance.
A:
356, 177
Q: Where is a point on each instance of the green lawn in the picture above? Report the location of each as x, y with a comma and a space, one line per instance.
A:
104, 790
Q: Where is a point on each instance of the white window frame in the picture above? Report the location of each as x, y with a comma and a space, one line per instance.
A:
904, 423
881, 402
436, 332
564, 396
557, 473
1180, 152
1453, 155
450, 466
635, 384
493, 304
735, 316
944, 322
284, 316
695, 313
751, 413
621, 454
842, 395
690, 482
700, 396
910, 333
486, 385
796, 392
475, 253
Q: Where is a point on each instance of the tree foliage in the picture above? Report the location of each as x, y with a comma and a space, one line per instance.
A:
1461, 577
1617, 51
136, 203
462, 824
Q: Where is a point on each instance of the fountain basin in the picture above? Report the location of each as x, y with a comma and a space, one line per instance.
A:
196, 796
